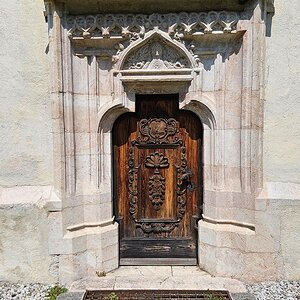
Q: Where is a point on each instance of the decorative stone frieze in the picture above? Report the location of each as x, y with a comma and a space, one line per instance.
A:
135, 26
118, 31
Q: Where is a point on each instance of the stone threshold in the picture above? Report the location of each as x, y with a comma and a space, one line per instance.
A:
157, 278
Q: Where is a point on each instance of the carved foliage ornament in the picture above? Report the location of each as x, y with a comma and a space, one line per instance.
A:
157, 185
155, 55
157, 132
126, 28
134, 27
156, 160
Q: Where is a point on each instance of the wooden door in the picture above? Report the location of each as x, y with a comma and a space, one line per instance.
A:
157, 182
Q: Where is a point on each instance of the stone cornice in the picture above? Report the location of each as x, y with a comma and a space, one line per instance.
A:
133, 27
78, 7
111, 34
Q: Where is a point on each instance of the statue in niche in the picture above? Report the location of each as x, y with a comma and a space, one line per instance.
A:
156, 54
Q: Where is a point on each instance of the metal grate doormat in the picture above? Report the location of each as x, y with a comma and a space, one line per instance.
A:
156, 295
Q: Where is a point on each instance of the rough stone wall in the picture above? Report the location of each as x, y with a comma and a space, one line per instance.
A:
25, 143
24, 238
282, 131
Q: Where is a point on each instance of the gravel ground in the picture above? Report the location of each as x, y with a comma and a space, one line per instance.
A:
14, 291
283, 290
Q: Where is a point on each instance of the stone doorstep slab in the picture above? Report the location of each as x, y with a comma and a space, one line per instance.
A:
159, 283
160, 278
80, 296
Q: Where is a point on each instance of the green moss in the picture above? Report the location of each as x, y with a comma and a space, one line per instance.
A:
54, 291
213, 297
113, 296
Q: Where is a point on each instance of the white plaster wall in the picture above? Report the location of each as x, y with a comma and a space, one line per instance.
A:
25, 114
282, 132
282, 105
25, 143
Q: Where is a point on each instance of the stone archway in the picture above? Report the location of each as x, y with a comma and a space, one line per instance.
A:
101, 62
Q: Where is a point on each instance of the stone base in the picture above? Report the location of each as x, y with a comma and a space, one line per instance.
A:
94, 250
237, 252
262, 252
24, 255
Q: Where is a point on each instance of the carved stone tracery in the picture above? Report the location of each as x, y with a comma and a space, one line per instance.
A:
135, 26
155, 55
123, 29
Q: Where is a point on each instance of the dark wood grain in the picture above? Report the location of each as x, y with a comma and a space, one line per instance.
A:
157, 178
158, 248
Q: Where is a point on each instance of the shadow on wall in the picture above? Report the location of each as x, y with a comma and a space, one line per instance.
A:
213, 45
268, 11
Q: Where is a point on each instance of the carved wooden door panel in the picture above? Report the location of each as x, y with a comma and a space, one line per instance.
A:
157, 182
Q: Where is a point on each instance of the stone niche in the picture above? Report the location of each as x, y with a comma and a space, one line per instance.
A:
213, 57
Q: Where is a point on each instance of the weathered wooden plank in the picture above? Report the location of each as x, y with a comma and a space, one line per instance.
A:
158, 261
155, 248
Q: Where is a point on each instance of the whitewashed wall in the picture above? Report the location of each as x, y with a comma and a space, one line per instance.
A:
25, 115
282, 131
282, 106
25, 143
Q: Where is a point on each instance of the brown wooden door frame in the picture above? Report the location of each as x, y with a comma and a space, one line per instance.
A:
164, 240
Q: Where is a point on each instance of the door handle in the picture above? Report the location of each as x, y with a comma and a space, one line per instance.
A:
186, 179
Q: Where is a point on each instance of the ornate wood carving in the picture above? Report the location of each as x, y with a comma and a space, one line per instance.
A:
181, 190
132, 185
156, 160
157, 227
157, 131
157, 189
157, 181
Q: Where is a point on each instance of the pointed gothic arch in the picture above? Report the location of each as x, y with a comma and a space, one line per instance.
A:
172, 48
